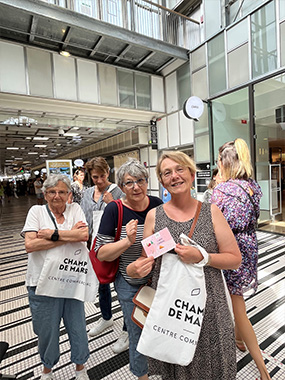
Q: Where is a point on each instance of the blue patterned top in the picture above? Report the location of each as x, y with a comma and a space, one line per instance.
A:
242, 215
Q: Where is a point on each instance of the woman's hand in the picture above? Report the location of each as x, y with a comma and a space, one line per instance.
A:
107, 197
188, 254
79, 225
131, 230
141, 267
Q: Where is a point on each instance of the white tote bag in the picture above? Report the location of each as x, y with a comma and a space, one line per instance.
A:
67, 273
97, 216
173, 324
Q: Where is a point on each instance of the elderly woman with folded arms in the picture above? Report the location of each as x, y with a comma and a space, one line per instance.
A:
47, 312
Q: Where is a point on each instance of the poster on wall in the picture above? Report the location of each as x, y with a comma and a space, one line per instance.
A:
59, 167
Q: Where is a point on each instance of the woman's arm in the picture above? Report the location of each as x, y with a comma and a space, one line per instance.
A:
79, 232
143, 265
111, 251
33, 243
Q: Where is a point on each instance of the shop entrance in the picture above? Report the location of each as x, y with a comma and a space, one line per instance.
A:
270, 151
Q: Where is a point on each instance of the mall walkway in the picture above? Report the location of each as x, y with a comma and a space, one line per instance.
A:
266, 311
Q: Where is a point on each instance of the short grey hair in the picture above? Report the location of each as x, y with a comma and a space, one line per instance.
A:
53, 180
133, 168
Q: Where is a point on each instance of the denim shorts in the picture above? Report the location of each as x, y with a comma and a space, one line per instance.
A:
47, 313
126, 292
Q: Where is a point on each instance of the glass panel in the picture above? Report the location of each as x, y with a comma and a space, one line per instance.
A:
202, 148
198, 58
236, 11
230, 118
112, 12
183, 84
264, 48
108, 84
282, 9
212, 17
202, 125
237, 35
199, 84
270, 142
143, 91
282, 43
126, 89
217, 64
238, 66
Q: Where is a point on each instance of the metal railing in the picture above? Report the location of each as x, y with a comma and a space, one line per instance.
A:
141, 16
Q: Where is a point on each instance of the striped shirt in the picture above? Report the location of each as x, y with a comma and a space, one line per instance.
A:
108, 228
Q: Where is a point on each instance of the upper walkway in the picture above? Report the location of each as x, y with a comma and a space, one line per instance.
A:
266, 311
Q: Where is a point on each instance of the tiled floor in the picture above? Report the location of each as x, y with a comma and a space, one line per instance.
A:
266, 311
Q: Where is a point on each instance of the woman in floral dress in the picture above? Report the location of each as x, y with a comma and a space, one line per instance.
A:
238, 198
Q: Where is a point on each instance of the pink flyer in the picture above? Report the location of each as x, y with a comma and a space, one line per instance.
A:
158, 243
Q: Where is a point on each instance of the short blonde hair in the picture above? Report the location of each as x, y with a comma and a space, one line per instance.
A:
180, 157
235, 159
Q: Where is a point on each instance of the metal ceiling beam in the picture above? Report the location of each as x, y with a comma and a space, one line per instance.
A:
124, 51
96, 46
33, 28
67, 17
66, 38
145, 59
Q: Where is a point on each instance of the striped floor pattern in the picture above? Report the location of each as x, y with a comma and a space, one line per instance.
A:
266, 311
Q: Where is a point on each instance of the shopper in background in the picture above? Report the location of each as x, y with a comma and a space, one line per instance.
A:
238, 198
93, 204
215, 180
132, 177
38, 190
77, 187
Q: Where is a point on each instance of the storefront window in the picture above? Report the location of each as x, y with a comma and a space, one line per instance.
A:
264, 46
217, 64
230, 118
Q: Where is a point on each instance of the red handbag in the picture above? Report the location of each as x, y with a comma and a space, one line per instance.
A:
106, 270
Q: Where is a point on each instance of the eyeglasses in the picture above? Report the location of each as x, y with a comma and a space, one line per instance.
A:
131, 184
53, 193
168, 173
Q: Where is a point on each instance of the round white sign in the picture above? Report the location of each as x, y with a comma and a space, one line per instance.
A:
193, 108
79, 162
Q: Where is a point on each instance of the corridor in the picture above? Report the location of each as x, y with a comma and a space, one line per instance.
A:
266, 311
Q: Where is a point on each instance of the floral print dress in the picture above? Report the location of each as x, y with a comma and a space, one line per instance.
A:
241, 211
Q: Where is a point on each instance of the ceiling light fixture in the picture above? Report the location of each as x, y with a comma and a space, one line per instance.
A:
20, 121
40, 146
12, 148
64, 53
40, 138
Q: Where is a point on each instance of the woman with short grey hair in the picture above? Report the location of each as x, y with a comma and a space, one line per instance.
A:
132, 178
41, 238
53, 180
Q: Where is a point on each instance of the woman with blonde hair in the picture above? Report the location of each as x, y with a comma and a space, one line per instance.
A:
238, 198
215, 355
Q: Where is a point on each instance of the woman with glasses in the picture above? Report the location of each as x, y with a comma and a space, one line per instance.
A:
47, 312
93, 204
132, 178
214, 358
238, 198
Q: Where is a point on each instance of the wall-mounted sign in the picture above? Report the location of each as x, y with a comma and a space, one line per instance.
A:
59, 167
193, 108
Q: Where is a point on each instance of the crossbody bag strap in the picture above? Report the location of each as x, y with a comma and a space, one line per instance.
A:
249, 197
197, 213
120, 219
52, 218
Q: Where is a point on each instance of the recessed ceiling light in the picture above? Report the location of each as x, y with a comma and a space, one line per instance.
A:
40, 138
32, 152
43, 155
64, 53
12, 148
69, 134
40, 146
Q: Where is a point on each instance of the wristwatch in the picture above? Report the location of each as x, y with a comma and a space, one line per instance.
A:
55, 236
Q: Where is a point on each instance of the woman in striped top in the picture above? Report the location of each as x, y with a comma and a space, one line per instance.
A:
132, 178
